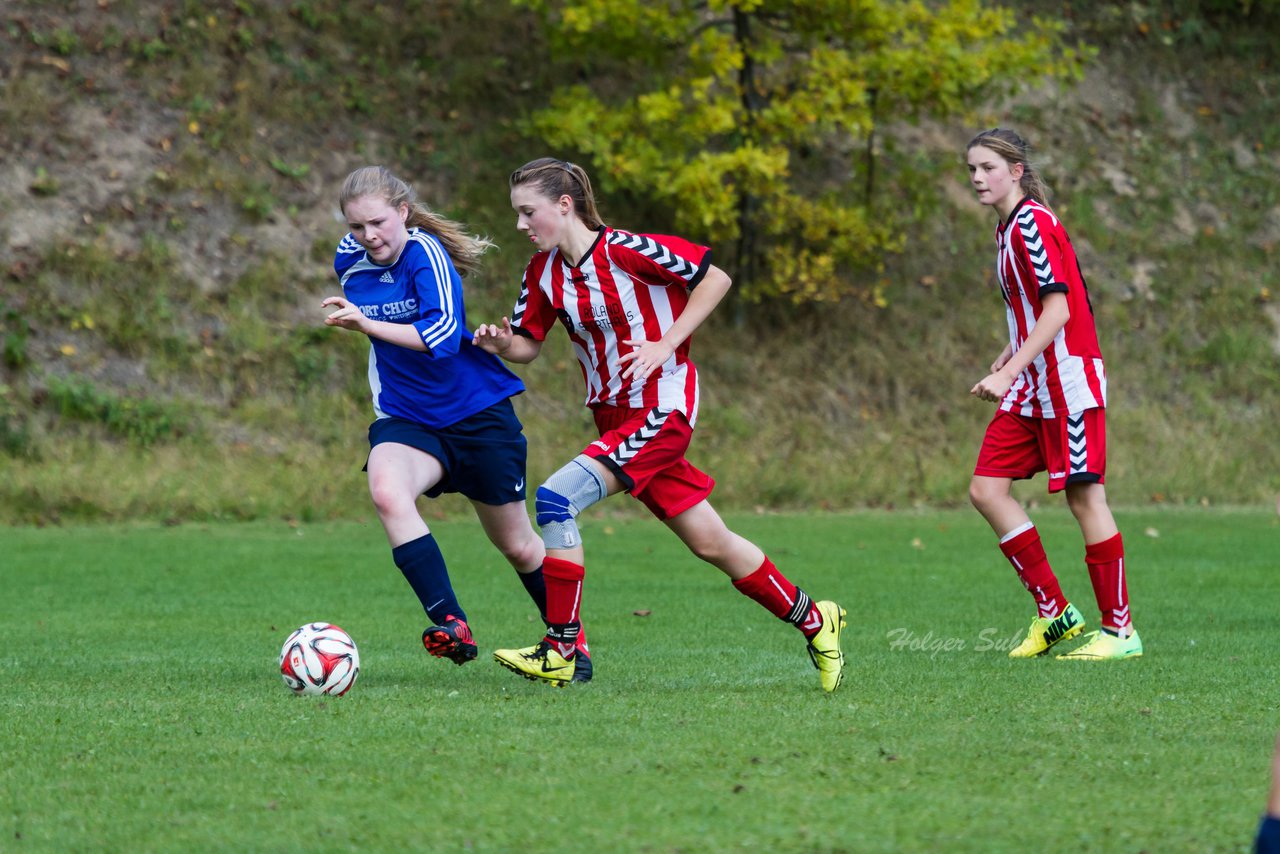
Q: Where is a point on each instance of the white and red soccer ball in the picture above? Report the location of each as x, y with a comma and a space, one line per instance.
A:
319, 658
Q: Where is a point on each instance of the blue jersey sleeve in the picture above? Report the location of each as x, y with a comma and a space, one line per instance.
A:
439, 291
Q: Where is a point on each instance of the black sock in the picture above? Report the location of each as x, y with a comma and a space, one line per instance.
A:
536, 585
423, 567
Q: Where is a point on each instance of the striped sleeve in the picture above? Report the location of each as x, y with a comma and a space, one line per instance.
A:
433, 277
1042, 250
533, 314
662, 257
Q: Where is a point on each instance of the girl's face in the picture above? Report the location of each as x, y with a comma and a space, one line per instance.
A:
995, 179
546, 221
378, 227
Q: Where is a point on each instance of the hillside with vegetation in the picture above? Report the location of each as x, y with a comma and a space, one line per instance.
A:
168, 216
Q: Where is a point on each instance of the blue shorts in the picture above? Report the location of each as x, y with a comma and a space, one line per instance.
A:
483, 455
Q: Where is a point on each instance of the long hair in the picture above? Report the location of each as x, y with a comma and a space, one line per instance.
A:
1013, 149
465, 249
555, 178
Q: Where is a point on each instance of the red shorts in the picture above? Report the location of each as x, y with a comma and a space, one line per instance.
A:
645, 448
1071, 449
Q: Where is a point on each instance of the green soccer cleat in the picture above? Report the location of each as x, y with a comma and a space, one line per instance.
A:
824, 647
1045, 632
1104, 646
540, 663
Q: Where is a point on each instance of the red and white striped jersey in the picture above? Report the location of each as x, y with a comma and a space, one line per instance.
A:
627, 287
1034, 258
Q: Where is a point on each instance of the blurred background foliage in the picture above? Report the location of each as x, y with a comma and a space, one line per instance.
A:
170, 169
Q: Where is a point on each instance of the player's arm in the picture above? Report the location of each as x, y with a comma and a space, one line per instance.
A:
438, 324
347, 315
1054, 314
648, 356
505, 342
1003, 358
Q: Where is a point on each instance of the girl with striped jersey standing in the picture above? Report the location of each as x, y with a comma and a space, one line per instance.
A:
630, 303
444, 419
1050, 388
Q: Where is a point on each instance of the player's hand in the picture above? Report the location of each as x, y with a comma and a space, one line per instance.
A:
994, 386
493, 338
347, 315
645, 358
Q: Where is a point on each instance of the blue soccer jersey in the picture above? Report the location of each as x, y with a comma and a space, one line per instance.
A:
452, 380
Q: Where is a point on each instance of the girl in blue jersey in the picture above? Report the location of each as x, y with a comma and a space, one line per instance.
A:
444, 419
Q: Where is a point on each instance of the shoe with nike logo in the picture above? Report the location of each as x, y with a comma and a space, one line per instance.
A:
1104, 646
540, 663
824, 647
1046, 632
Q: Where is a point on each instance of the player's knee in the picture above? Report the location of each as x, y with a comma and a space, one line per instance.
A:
558, 502
389, 500
1085, 498
975, 494
521, 552
550, 506
707, 545
981, 494
556, 516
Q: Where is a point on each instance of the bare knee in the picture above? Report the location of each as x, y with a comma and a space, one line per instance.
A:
713, 546
1087, 499
390, 500
983, 494
525, 551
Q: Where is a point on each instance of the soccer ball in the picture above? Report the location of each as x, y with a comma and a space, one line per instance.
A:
319, 658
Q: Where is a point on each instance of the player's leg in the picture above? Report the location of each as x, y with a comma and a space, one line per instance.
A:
1105, 559
1012, 448
1075, 448
993, 498
398, 474
509, 529
558, 502
755, 575
592, 476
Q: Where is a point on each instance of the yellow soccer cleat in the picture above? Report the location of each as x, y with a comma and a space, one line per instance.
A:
1045, 632
540, 663
824, 647
1104, 646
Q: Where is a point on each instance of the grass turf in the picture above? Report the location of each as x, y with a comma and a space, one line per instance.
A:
143, 710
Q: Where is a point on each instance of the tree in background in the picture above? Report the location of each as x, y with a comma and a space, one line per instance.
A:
755, 122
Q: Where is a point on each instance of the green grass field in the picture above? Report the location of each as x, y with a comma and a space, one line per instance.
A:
142, 709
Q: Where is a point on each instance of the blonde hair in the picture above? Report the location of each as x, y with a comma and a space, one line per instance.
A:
465, 249
1012, 148
555, 178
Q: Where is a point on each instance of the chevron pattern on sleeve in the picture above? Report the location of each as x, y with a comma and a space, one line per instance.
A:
655, 252
1036, 251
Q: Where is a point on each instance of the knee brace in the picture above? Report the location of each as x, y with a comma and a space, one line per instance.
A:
572, 489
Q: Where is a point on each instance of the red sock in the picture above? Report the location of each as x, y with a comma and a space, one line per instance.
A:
781, 598
1026, 553
1106, 570
564, 596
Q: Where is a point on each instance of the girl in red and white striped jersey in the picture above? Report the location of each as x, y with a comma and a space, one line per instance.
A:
630, 303
1050, 388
